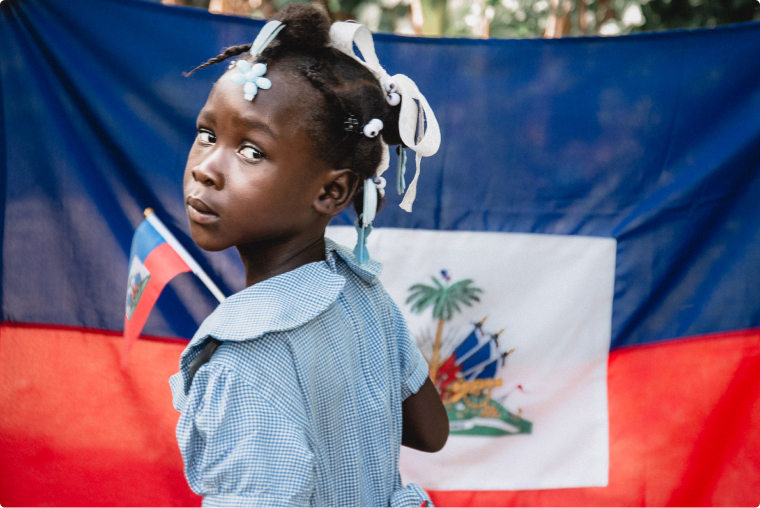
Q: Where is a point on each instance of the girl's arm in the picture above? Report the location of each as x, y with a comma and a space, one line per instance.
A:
425, 424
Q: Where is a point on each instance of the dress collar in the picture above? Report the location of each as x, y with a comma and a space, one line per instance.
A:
286, 301
368, 272
281, 303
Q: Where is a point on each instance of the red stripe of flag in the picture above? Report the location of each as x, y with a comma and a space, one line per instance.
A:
78, 431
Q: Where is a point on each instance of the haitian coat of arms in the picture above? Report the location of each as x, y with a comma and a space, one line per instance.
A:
138, 279
466, 378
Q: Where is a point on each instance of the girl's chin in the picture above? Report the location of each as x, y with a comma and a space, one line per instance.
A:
206, 240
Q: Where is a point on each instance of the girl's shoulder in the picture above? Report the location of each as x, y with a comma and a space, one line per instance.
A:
260, 326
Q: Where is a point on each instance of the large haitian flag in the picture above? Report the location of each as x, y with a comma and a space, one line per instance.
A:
597, 201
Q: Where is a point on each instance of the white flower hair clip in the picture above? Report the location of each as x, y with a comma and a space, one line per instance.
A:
252, 76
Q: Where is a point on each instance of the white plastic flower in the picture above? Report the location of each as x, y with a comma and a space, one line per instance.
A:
251, 77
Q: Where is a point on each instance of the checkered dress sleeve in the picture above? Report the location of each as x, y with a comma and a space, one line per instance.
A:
414, 367
238, 449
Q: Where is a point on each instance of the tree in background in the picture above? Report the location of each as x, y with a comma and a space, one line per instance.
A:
510, 18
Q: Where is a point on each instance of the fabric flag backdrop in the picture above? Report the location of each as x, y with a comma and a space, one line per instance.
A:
602, 194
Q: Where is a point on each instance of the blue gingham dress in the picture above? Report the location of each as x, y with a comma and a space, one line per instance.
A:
301, 403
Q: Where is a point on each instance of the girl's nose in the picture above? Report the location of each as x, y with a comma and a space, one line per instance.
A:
208, 171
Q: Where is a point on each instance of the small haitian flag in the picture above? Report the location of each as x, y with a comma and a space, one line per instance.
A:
156, 257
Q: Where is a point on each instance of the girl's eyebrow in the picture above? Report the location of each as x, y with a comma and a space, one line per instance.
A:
204, 115
252, 123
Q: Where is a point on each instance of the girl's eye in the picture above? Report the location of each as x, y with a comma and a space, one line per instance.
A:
206, 137
251, 153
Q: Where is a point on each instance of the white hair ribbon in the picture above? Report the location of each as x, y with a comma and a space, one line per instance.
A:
415, 110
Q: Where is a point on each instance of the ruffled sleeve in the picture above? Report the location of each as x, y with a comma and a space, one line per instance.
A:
238, 449
414, 367
412, 496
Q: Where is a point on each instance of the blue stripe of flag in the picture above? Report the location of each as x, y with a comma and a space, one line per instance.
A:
144, 241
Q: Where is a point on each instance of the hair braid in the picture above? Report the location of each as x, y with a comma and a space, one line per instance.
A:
313, 71
224, 55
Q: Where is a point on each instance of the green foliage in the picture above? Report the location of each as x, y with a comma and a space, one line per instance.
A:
383, 15
524, 18
528, 18
445, 299
515, 19
663, 15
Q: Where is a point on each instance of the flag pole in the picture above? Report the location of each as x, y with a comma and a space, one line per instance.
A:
154, 221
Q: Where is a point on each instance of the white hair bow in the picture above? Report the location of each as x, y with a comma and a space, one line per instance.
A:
415, 110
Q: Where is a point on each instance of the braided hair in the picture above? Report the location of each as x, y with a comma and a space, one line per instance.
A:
350, 91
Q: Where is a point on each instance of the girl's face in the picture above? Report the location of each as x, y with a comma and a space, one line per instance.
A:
251, 175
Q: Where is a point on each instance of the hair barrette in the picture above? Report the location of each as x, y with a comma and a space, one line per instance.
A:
351, 124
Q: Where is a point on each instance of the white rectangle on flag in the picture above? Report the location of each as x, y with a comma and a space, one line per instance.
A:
546, 425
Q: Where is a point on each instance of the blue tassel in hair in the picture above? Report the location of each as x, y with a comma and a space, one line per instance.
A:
363, 224
401, 169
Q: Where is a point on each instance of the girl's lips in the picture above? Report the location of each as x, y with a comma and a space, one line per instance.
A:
200, 212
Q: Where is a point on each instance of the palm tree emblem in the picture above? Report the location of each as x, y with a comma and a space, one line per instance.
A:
466, 379
446, 299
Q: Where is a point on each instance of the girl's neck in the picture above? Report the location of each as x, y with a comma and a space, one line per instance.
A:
268, 259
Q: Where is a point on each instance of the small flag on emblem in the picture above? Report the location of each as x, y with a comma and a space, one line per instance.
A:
156, 257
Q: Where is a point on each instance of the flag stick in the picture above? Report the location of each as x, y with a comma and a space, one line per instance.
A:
186, 257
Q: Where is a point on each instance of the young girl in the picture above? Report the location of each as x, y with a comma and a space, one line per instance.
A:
300, 389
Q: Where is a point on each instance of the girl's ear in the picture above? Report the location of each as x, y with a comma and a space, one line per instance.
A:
336, 193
